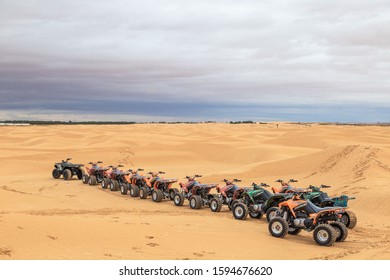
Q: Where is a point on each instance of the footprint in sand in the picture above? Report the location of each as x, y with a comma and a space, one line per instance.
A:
137, 249
19, 227
149, 237
198, 254
153, 244
5, 252
52, 237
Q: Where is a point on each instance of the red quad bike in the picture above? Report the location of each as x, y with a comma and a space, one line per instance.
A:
229, 194
95, 174
198, 194
296, 214
136, 181
114, 179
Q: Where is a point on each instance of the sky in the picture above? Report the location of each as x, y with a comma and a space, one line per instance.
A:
182, 60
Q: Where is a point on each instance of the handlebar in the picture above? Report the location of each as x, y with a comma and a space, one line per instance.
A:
68, 159
140, 169
161, 172
325, 186
292, 181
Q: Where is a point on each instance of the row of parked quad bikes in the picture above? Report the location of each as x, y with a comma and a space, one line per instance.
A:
287, 209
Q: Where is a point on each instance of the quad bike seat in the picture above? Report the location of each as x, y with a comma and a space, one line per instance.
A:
311, 208
267, 194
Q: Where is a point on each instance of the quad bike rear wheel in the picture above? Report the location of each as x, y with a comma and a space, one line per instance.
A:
92, 180
278, 227
341, 231
178, 199
215, 205
157, 195
271, 213
172, 193
114, 185
67, 174
85, 179
124, 189
56, 173
349, 219
324, 235
80, 173
143, 193
196, 202
134, 191
240, 211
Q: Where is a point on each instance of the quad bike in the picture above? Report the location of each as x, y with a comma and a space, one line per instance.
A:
321, 199
95, 174
296, 214
258, 201
115, 179
162, 188
198, 194
67, 170
229, 193
158, 187
285, 187
136, 181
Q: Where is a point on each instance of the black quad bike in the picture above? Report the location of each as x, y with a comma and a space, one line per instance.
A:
198, 194
67, 170
257, 201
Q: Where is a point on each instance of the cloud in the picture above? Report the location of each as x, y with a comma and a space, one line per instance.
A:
225, 55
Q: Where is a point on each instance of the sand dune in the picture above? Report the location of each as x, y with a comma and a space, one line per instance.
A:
43, 218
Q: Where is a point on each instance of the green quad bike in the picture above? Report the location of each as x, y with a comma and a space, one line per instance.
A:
321, 199
258, 201
66, 169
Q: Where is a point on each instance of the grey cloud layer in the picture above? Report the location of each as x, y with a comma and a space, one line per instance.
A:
212, 54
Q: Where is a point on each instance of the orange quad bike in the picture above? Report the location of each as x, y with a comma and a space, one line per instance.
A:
229, 194
296, 214
158, 187
285, 187
198, 194
136, 182
94, 174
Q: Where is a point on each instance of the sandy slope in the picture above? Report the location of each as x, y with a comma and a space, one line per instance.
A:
43, 218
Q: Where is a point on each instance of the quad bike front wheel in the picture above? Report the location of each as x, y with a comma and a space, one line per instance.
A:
195, 202
294, 231
341, 231
80, 173
271, 213
56, 173
143, 193
105, 183
114, 185
92, 180
172, 193
157, 195
85, 179
324, 235
278, 227
124, 189
134, 191
349, 219
178, 199
240, 211
215, 205
67, 174
255, 215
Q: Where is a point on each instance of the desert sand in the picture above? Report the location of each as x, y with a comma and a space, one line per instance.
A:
44, 218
